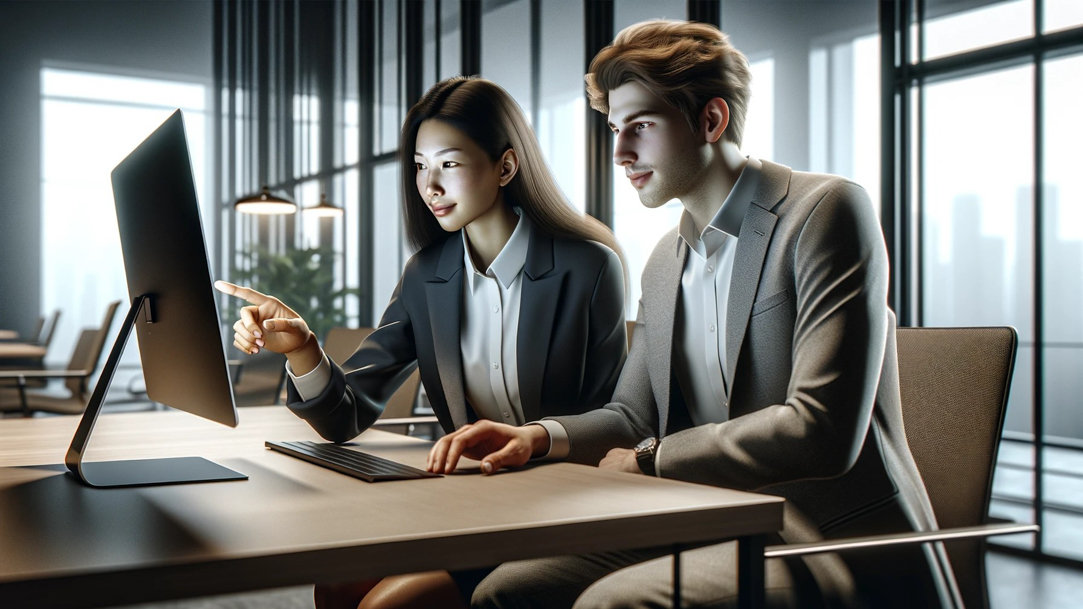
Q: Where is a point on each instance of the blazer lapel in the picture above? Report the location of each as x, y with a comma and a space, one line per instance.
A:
756, 230
444, 293
541, 291
665, 284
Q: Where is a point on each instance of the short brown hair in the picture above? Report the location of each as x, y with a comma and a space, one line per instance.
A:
685, 63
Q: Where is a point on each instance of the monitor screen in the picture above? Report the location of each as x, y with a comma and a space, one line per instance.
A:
165, 258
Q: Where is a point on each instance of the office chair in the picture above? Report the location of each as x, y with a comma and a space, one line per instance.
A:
85, 358
341, 342
954, 384
258, 380
45, 332
398, 415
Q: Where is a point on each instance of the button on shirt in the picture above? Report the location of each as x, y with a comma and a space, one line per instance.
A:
700, 356
489, 327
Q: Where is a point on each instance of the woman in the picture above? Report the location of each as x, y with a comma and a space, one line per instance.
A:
512, 308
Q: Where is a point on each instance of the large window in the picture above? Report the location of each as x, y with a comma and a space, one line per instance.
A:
990, 144
91, 120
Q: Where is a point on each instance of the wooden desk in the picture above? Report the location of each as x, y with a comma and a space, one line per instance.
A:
8, 334
21, 351
292, 523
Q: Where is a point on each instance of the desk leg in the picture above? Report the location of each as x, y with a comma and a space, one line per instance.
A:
750, 578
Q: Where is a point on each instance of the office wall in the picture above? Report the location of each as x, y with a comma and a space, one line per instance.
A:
123, 36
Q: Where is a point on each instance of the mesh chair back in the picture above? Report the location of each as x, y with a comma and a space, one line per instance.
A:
954, 384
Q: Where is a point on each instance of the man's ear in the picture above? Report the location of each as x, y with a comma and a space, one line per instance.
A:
714, 118
509, 166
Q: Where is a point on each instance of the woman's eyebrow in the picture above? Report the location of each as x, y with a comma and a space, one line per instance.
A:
439, 152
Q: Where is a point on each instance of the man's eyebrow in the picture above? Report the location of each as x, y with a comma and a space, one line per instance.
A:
635, 115
439, 152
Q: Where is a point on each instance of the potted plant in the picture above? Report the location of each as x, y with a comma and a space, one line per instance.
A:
302, 278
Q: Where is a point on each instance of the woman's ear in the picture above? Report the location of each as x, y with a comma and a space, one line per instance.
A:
509, 166
714, 118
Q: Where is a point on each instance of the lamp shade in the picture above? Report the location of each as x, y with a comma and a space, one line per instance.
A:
324, 209
264, 202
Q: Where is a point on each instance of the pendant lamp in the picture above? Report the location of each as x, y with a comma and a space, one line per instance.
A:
324, 209
265, 202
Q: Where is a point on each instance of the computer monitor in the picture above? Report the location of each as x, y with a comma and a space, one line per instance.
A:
173, 311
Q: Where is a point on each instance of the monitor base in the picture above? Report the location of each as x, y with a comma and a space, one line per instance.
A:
150, 472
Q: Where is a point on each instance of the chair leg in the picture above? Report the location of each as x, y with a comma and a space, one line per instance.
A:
22, 396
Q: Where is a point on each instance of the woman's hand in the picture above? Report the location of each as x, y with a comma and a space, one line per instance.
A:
496, 445
269, 324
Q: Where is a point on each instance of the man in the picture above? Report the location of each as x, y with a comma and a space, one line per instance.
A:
763, 355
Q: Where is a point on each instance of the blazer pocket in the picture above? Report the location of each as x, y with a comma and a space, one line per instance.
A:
766, 304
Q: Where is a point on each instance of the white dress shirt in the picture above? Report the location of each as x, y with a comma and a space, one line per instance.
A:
489, 327
700, 336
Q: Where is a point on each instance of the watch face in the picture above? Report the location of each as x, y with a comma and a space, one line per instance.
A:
647, 444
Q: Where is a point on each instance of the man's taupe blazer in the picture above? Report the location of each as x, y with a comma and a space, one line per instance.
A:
814, 401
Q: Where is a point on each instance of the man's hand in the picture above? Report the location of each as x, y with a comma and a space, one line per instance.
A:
269, 324
621, 460
496, 445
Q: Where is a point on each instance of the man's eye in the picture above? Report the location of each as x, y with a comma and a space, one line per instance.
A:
641, 126
419, 166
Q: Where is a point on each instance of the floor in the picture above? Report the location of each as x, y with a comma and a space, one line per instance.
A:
1019, 582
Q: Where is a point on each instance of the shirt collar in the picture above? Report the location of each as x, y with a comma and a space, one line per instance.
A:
727, 220
511, 259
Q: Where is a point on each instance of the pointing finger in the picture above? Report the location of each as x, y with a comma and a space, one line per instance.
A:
247, 294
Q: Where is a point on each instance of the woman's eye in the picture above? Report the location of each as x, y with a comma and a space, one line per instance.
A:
419, 166
449, 164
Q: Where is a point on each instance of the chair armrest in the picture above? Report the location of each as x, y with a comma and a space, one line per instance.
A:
423, 420
873, 541
37, 373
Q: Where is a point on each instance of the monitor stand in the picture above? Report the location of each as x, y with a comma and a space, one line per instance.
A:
139, 472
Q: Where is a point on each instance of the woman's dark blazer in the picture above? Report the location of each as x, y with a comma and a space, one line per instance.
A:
571, 344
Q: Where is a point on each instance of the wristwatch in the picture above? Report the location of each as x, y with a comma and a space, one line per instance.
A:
645, 452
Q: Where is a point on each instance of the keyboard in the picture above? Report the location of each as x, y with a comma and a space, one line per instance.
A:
350, 462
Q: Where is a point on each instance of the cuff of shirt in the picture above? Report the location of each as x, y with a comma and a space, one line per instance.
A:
559, 446
312, 384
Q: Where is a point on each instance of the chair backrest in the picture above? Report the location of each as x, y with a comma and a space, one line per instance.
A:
259, 379
36, 334
88, 351
954, 384
341, 342
45, 332
401, 403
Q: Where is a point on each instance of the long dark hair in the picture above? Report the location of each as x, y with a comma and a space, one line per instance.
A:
489, 116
